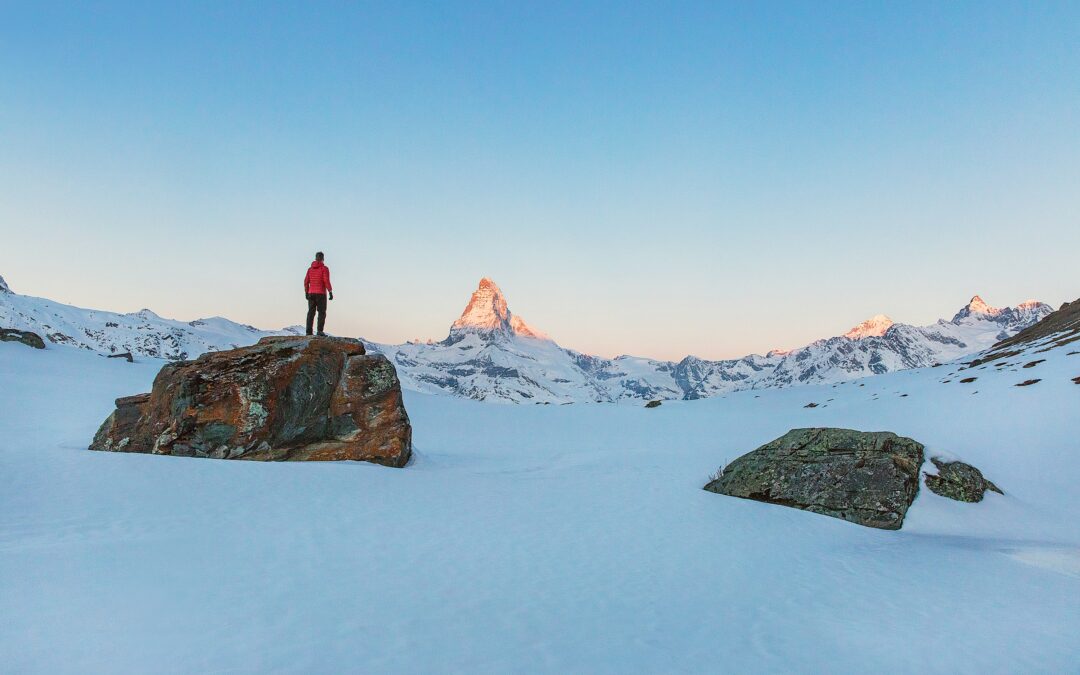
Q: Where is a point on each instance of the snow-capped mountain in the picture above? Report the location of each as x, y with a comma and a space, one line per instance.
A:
875, 326
488, 314
142, 333
492, 354
975, 327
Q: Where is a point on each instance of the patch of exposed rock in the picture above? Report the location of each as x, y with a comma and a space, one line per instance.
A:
23, 336
868, 478
959, 481
285, 398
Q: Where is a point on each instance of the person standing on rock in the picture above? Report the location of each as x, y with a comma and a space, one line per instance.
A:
316, 288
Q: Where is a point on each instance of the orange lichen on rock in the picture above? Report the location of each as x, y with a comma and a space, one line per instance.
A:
285, 398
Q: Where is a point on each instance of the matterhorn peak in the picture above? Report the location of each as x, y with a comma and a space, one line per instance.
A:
4, 288
875, 326
487, 312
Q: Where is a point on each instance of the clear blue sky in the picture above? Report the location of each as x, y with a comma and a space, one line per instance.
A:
646, 178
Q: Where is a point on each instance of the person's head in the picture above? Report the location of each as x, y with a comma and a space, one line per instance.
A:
319, 256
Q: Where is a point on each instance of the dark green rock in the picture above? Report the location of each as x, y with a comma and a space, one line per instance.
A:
868, 478
959, 481
24, 336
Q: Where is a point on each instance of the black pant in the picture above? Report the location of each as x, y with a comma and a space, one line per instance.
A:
316, 301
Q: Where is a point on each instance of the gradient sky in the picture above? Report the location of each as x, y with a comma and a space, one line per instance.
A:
647, 178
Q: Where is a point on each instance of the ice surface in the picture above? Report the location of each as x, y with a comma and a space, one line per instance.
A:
570, 538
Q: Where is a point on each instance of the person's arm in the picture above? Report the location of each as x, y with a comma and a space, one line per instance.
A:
326, 282
307, 276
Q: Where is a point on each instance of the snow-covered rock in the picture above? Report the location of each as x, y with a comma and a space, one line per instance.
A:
875, 326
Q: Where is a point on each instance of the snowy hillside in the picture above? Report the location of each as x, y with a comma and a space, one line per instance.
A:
492, 354
541, 538
142, 333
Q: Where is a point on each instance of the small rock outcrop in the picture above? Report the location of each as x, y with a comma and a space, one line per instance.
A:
654, 404
959, 481
122, 355
285, 398
868, 478
24, 336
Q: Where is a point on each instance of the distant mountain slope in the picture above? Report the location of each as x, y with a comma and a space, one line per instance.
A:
975, 327
492, 354
1058, 330
142, 333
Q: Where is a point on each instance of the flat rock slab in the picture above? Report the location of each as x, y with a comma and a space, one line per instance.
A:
286, 398
869, 478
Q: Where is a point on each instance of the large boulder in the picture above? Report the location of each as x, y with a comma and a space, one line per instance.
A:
959, 481
24, 336
286, 398
869, 478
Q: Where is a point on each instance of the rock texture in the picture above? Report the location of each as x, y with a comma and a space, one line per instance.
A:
959, 481
869, 478
285, 398
24, 336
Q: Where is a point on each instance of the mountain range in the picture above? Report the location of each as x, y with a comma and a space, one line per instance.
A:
493, 354
141, 333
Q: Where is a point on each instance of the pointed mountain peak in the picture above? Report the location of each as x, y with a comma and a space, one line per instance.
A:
876, 325
487, 312
978, 309
145, 313
977, 304
4, 288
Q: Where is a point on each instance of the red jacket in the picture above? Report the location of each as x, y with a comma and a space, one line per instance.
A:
317, 279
